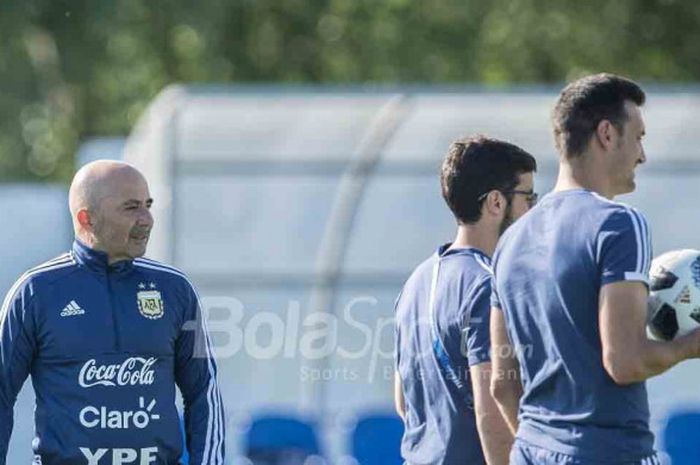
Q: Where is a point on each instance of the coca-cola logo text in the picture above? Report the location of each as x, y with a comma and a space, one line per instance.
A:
134, 371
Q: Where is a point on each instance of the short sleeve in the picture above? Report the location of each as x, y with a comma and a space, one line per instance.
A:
624, 248
493, 297
475, 331
397, 335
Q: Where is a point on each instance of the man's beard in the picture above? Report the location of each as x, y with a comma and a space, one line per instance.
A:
507, 219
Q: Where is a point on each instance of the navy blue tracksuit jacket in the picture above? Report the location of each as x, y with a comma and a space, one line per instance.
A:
106, 345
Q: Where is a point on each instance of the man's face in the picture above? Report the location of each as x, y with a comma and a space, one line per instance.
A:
123, 221
628, 151
519, 202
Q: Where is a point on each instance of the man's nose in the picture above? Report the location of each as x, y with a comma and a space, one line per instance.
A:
145, 218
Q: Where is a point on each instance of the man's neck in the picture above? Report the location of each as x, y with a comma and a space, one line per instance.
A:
475, 236
89, 241
583, 173
86, 239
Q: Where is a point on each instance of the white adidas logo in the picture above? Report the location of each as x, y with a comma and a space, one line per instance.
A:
72, 309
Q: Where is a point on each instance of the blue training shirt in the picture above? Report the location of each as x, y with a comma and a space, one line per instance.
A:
106, 345
549, 268
442, 327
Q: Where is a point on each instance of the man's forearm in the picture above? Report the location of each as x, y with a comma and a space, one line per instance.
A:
660, 356
496, 437
650, 359
507, 395
506, 387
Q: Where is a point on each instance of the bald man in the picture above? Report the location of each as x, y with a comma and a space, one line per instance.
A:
106, 336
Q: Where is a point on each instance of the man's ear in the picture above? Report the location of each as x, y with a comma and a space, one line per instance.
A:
494, 202
84, 218
606, 134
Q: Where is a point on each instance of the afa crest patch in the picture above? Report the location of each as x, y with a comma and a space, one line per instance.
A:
150, 304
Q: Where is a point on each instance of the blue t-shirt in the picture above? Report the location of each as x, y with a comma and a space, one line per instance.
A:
442, 327
549, 268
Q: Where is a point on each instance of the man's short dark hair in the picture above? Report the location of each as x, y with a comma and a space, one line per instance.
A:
584, 103
475, 166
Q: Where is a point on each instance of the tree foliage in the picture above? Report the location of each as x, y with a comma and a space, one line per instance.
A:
74, 68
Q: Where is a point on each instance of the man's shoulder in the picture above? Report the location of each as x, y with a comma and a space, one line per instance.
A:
163, 272
469, 269
608, 205
45, 273
417, 282
421, 272
49, 271
614, 215
464, 268
155, 267
589, 209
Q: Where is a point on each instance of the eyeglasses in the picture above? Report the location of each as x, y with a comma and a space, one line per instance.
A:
530, 197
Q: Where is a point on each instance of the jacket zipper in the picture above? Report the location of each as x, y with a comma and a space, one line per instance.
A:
114, 308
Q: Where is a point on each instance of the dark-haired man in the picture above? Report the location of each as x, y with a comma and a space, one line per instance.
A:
570, 294
442, 314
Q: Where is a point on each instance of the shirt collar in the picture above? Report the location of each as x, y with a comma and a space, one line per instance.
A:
97, 260
445, 251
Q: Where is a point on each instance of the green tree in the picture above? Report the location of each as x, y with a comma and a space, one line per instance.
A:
74, 68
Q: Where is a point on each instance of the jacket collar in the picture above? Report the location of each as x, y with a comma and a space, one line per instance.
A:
97, 261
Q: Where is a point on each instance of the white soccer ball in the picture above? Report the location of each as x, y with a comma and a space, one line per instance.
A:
674, 300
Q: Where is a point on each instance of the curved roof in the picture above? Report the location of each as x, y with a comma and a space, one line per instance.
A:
309, 128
